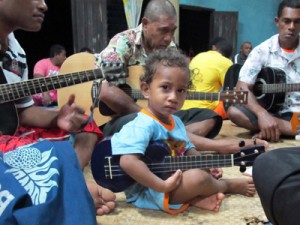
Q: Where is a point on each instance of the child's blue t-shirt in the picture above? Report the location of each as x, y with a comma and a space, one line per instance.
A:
134, 138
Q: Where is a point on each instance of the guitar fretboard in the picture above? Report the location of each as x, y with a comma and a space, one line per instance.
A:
227, 96
278, 88
18, 90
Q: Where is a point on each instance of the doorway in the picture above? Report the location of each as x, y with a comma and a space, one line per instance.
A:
198, 26
194, 32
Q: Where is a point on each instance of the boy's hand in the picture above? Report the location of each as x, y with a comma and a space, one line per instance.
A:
173, 181
216, 172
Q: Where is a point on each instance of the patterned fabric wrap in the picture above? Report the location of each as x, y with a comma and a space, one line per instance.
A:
38, 186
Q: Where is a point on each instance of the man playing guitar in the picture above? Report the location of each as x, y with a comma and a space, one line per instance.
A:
41, 173
281, 51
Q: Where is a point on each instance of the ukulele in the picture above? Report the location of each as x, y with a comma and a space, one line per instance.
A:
107, 172
14, 91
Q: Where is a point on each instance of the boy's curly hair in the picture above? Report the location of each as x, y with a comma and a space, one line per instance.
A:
166, 57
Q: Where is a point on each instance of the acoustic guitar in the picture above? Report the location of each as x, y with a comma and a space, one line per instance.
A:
269, 88
132, 88
14, 91
107, 172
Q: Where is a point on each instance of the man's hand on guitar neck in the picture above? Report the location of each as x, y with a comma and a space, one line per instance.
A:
268, 126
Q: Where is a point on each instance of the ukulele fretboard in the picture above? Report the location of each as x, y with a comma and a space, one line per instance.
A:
205, 161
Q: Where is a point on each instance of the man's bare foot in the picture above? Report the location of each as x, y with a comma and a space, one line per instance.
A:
212, 203
240, 186
104, 199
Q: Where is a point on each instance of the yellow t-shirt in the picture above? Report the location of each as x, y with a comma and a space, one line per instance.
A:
208, 71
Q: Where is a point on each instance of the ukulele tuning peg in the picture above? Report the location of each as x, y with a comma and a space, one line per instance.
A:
242, 169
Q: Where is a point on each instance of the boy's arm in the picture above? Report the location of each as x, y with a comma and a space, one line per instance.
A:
139, 171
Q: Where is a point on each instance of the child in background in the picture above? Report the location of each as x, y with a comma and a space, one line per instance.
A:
165, 84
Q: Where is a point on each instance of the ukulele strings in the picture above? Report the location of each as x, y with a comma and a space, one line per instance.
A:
116, 170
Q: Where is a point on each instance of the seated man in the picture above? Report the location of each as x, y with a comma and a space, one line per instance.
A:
270, 118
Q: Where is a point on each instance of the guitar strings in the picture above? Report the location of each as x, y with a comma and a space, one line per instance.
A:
22, 89
116, 170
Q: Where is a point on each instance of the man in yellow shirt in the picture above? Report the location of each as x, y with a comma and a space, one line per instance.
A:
208, 73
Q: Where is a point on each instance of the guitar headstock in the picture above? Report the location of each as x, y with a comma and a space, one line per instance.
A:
234, 97
246, 156
114, 71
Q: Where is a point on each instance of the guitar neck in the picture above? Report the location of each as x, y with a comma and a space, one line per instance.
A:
231, 96
279, 88
172, 163
213, 96
18, 90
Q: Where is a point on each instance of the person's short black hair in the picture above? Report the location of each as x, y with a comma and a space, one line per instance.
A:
295, 4
86, 49
223, 46
167, 57
56, 49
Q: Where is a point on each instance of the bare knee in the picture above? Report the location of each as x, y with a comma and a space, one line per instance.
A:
232, 113
201, 128
198, 177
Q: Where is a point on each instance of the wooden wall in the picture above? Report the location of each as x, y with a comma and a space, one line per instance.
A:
89, 19
96, 21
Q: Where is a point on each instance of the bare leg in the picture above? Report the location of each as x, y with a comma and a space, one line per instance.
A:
104, 199
201, 128
240, 119
84, 145
223, 146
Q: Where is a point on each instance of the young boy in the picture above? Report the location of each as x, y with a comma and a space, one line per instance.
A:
165, 85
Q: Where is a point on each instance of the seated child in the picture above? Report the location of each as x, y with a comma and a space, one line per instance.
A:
165, 84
